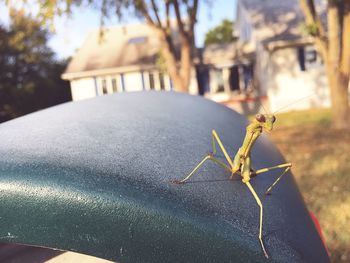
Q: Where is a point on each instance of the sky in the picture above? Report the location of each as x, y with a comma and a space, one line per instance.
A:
71, 32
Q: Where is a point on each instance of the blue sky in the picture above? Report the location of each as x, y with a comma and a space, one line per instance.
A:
71, 32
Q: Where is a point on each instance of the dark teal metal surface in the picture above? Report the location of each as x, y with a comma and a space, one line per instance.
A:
94, 176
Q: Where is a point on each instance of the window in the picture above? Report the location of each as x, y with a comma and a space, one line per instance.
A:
114, 85
137, 40
308, 58
301, 58
122, 81
151, 81
104, 86
219, 80
161, 81
234, 78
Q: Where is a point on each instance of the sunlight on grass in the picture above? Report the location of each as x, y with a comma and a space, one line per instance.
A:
321, 166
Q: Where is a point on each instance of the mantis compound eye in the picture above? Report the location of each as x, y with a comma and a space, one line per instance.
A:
273, 119
260, 118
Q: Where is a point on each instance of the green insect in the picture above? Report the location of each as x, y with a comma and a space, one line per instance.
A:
242, 163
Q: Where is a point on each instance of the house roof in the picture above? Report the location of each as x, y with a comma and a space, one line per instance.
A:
227, 53
278, 20
125, 48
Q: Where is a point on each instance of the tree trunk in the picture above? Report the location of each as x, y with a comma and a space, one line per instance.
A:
186, 63
339, 97
337, 80
179, 71
345, 65
172, 66
335, 50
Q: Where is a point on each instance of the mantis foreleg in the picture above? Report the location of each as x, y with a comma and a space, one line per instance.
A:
215, 136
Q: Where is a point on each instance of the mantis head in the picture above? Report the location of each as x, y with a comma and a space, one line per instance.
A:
266, 121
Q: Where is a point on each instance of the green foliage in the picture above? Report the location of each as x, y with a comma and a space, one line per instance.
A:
29, 75
161, 63
220, 34
309, 29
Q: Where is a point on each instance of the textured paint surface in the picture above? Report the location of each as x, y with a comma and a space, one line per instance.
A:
94, 176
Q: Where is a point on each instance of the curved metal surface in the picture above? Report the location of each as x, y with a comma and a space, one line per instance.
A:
94, 176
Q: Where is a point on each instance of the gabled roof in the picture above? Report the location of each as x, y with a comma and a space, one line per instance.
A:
132, 46
274, 20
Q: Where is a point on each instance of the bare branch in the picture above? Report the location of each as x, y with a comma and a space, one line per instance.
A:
311, 17
167, 14
193, 18
155, 10
193, 13
142, 7
178, 18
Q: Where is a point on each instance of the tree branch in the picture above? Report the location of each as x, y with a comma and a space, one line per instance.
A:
311, 17
155, 10
193, 19
167, 14
193, 13
142, 7
178, 18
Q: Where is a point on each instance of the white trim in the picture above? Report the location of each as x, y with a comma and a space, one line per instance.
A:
106, 71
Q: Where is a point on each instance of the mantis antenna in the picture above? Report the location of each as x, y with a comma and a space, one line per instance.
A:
293, 102
262, 105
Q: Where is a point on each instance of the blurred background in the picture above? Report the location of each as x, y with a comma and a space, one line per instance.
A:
291, 58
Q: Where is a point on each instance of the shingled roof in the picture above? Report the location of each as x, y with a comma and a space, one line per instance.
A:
121, 48
274, 20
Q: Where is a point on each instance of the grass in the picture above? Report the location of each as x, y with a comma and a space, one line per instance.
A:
321, 166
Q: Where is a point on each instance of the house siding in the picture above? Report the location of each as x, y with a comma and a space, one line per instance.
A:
289, 83
83, 88
133, 81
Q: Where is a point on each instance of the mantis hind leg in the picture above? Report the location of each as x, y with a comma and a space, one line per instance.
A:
258, 201
208, 157
287, 167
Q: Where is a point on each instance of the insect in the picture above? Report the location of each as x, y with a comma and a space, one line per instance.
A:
242, 163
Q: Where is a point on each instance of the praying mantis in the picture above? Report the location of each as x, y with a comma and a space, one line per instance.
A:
242, 163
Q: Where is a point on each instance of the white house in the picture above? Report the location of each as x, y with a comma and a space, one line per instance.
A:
124, 59
273, 62
127, 59
287, 66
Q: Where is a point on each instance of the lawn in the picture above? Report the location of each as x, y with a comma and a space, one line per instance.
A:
321, 166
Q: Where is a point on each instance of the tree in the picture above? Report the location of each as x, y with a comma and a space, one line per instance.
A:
29, 75
159, 14
334, 46
220, 34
